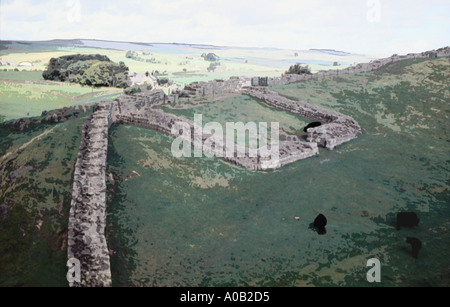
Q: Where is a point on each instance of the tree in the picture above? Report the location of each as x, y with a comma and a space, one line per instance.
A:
298, 69
163, 81
97, 75
92, 70
58, 68
76, 70
211, 57
107, 74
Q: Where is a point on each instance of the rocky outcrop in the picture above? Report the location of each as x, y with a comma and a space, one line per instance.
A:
21, 124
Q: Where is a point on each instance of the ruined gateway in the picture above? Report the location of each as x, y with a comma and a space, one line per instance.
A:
87, 219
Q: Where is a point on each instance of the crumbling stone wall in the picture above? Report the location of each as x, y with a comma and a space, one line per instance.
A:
366, 67
289, 151
87, 219
359, 68
337, 128
211, 88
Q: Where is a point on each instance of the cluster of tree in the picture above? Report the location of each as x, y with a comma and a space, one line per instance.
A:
138, 88
92, 70
298, 69
163, 81
156, 73
135, 56
212, 57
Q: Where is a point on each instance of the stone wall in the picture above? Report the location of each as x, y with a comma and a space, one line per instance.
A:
366, 67
289, 151
215, 88
87, 218
335, 130
211, 88
359, 68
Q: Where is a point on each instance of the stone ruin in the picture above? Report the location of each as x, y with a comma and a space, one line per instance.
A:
336, 129
87, 219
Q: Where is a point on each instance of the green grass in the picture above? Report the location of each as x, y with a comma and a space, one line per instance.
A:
263, 62
204, 222
21, 75
20, 99
33, 246
200, 222
242, 109
396, 98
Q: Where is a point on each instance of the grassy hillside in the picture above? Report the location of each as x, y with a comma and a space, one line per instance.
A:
204, 222
405, 97
36, 169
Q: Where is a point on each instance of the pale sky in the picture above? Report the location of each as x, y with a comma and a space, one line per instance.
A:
379, 27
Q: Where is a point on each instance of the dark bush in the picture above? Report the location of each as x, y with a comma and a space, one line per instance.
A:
298, 69
163, 81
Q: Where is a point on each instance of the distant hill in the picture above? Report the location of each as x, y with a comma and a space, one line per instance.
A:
120, 45
331, 51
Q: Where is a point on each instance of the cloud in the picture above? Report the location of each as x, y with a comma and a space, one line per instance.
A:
294, 24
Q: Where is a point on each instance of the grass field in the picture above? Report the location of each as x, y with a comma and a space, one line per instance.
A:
21, 75
202, 222
26, 94
244, 109
205, 222
184, 64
